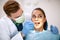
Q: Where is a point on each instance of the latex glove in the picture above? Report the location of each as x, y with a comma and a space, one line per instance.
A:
28, 25
54, 29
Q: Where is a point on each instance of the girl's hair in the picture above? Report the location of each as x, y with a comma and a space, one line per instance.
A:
45, 24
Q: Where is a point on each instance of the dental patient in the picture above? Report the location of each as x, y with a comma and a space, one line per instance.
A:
40, 25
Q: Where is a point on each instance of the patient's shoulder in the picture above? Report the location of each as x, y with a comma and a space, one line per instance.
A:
50, 34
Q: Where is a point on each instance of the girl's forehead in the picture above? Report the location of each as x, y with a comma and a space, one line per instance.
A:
37, 12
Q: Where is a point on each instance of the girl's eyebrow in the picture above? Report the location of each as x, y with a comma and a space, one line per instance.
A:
39, 14
35, 14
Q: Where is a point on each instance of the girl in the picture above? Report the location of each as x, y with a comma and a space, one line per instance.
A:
40, 26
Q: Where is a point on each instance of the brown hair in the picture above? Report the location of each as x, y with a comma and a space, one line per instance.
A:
11, 7
45, 24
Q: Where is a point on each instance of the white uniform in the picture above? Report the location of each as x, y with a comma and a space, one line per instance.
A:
8, 30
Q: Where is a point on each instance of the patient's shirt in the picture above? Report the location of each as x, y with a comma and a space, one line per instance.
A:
44, 35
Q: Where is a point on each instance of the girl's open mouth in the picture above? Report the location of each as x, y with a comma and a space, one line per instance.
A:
37, 23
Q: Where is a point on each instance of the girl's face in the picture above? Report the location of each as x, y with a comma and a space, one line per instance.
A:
38, 19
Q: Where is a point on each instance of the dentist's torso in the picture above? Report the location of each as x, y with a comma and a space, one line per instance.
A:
8, 30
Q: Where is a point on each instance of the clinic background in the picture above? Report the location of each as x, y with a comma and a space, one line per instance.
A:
51, 8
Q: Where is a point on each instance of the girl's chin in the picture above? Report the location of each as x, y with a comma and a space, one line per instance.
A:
37, 27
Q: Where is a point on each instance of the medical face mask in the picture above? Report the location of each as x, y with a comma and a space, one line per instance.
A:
20, 19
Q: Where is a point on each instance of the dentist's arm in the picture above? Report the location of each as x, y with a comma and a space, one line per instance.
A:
28, 25
5, 34
17, 37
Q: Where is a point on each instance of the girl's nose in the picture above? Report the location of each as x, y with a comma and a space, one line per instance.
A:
36, 19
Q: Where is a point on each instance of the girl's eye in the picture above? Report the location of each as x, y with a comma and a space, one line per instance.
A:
33, 16
40, 16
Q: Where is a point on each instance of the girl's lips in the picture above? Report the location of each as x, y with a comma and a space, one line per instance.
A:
37, 22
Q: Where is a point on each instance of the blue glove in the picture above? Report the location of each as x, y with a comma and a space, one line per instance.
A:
28, 25
54, 29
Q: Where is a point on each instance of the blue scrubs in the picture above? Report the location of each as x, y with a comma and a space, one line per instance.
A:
18, 25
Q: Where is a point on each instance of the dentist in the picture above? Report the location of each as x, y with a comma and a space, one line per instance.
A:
11, 24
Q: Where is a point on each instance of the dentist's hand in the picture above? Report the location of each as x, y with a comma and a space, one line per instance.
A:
28, 25
54, 29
